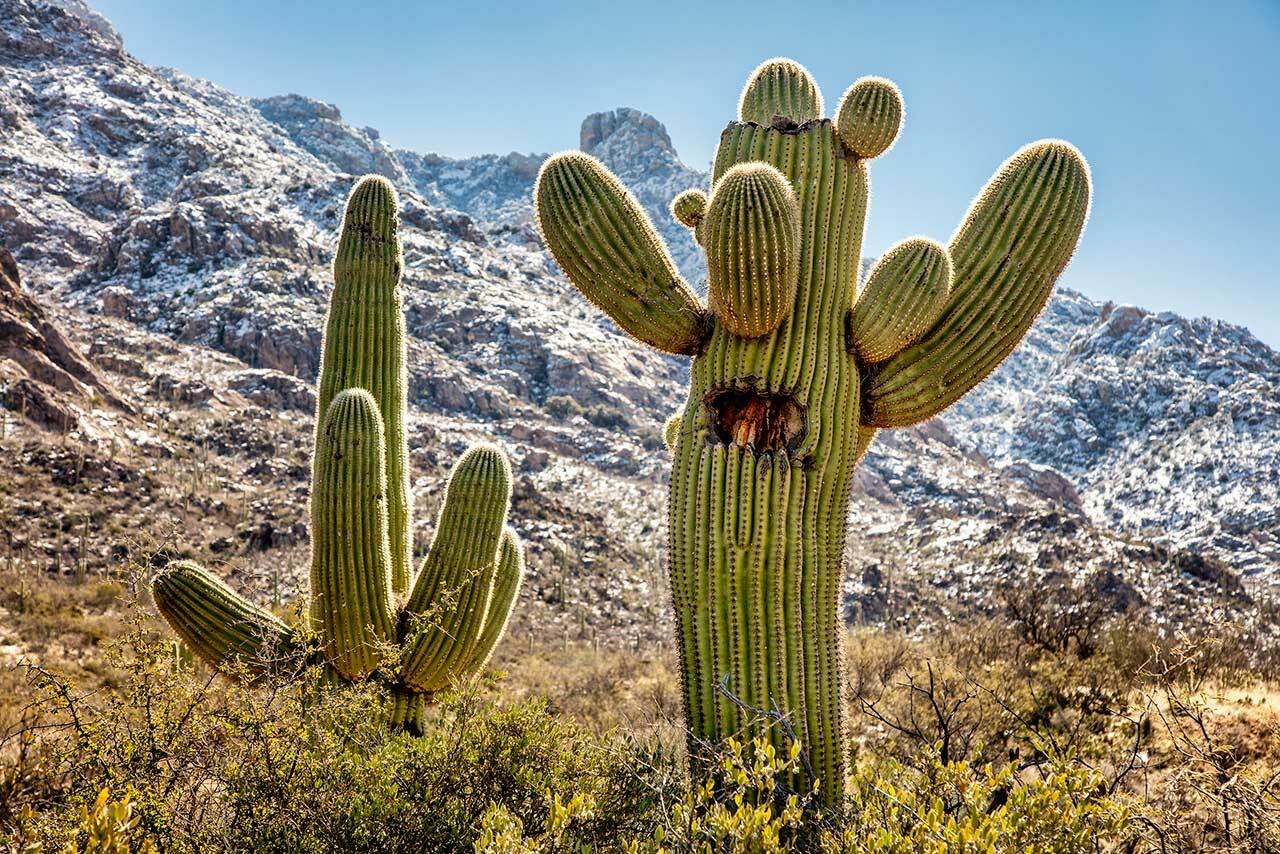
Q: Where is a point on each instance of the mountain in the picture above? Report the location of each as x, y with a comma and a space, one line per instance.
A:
181, 236
1168, 427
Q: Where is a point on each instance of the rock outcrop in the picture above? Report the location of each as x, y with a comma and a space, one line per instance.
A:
43, 376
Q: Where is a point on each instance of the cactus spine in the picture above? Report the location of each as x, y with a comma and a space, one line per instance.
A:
361, 519
781, 409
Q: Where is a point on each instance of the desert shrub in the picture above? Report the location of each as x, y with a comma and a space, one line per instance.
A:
971, 739
562, 406
210, 765
934, 806
607, 417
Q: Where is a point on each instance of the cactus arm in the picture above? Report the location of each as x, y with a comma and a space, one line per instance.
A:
220, 626
904, 294
451, 598
350, 550
752, 236
689, 207
869, 117
364, 344
606, 245
506, 587
1014, 243
780, 88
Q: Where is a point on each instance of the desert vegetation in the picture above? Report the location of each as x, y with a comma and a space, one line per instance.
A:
1022, 732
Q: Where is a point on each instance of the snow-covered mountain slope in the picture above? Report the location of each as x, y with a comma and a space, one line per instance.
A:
143, 200
1169, 427
496, 190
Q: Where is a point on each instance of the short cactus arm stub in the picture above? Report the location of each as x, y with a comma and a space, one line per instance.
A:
870, 116
689, 207
606, 245
905, 291
752, 236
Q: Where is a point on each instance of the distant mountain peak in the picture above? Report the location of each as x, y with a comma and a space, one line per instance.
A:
93, 19
318, 127
291, 108
635, 130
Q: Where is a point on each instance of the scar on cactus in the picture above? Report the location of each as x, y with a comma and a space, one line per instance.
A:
371, 615
795, 368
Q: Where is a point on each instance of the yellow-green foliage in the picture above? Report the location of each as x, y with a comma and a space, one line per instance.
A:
937, 808
106, 826
993, 737
742, 810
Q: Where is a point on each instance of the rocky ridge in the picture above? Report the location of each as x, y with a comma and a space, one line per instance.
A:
163, 209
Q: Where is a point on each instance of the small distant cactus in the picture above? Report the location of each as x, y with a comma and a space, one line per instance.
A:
795, 369
458, 604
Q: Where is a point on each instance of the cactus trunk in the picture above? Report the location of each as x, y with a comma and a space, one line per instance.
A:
364, 346
756, 510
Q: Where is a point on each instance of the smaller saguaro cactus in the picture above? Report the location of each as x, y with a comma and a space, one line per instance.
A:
458, 604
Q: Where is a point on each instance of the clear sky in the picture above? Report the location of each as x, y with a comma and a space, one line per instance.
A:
1176, 104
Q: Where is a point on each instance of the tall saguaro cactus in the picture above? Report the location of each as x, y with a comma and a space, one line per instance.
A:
795, 368
361, 519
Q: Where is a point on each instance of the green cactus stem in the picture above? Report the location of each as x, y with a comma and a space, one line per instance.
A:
689, 208
459, 570
752, 237
361, 521
870, 116
904, 294
506, 586
615, 256
350, 551
220, 626
364, 344
774, 423
779, 88
1013, 244
407, 711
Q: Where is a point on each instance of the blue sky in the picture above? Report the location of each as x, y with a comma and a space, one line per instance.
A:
1177, 107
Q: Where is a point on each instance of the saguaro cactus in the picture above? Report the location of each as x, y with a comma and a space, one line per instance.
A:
361, 521
794, 370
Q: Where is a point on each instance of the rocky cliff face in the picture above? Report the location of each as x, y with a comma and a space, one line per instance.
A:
497, 190
1168, 427
164, 215
43, 376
